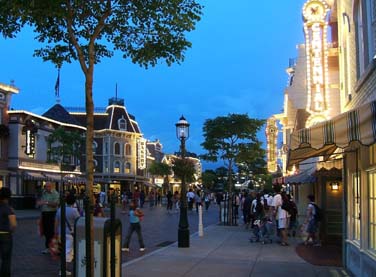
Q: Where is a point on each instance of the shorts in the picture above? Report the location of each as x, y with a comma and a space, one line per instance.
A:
312, 226
283, 223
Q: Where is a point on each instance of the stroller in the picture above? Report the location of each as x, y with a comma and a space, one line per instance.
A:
262, 231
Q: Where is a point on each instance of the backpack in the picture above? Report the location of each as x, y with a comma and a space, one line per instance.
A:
287, 206
318, 216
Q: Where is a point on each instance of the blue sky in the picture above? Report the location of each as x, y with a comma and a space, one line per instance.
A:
236, 65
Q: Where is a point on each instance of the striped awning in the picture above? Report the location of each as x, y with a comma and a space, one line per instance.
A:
322, 139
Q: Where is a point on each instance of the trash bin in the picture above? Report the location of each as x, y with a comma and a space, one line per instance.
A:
102, 247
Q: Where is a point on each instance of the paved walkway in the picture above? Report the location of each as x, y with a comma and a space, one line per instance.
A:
226, 251
222, 251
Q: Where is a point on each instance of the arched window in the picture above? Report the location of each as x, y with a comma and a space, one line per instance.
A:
116, 148
122, 124
128, 167
116, 167
128, 149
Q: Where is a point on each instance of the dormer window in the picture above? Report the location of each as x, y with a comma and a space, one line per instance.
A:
122, 124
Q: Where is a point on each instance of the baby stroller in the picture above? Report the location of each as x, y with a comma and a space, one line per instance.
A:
262, 231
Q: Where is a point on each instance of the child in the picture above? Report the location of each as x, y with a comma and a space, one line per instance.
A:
135, 216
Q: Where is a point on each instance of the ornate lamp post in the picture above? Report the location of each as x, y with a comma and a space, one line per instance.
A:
182, 133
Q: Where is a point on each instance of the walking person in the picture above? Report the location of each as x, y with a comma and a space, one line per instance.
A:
98, 207
207, 201
142, 198
197, 200
135, 216
284, 219
71, 214
48, 204
169, 201
8, 224
176, 200
311, 222
246, 203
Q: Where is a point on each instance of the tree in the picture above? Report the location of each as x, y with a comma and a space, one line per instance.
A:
64, 146
208, 179
227, 137
161, 169
87, 31
184, 169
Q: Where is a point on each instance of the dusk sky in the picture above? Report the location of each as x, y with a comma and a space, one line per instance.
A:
237, 64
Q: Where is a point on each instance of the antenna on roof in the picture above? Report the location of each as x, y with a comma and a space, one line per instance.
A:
116, 92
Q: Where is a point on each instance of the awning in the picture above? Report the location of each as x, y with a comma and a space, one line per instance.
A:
53, 177
325, 137
306, 176
34, 176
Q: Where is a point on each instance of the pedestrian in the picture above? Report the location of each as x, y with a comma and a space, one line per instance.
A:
135, 216
169, 201
151, 198
198, 200
176, 200
293, 217
48, 203
142, 198
124, 201
71, 214
8, 224
275, 207
136, 196
247, 203
190, 199
311, 223
237, 204
284, 219
98, 207
207, 201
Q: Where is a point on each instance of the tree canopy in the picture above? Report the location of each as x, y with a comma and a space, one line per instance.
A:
160, 169
209, 179
184, 169
231, 138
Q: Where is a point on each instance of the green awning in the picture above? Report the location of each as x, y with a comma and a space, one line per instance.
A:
322, 139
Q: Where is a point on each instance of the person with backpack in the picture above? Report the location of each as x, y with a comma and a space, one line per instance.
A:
293, 211
312, 221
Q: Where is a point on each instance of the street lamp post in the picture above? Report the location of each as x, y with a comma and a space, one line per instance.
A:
182, 133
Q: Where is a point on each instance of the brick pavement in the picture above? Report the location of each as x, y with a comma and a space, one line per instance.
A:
158, 227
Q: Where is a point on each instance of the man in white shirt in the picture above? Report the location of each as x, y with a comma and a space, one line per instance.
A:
190, 197
275, 206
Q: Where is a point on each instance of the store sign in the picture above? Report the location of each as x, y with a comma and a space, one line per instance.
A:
29, 130
271, 143
141, 153
315, 29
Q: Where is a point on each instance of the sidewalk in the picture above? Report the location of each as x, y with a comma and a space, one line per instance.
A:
226, 251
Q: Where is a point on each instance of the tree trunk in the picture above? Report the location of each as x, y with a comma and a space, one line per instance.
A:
89, 167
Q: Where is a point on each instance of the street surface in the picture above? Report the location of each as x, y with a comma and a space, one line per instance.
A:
159, 229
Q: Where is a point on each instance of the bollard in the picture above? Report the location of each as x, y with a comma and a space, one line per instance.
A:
200, 226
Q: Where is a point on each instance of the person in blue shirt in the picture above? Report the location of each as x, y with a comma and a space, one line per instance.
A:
135, 216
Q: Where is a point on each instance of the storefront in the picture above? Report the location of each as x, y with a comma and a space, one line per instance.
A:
349, 137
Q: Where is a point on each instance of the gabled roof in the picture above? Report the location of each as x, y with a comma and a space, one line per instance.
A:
109, 119
58, 113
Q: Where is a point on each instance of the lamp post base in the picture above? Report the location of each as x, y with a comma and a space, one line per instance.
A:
183, 238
